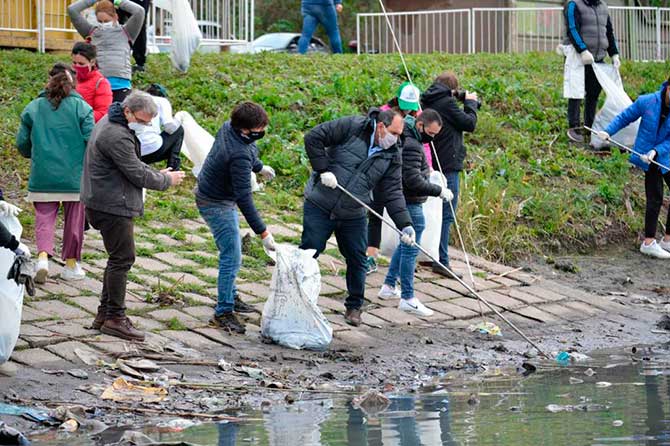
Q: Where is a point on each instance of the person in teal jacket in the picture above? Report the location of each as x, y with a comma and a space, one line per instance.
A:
53, 134
652, 145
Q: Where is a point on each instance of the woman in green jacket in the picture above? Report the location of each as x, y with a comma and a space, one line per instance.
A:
54, 131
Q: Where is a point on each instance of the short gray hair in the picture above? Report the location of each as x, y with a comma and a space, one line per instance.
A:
140, 101
387, 116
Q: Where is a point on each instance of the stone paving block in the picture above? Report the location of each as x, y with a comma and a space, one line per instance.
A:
88, 303
394, 316
194, 239
375, 280
327, 289
146, 324
373, 298
35, 357
37, 336
482, 284
356, 338
100, 263
452, 285
61, 309
335, 281
537, 314
192, 225
543, 293
331, 304
184, 278
191, 339
142, 306
585, 308
168, 314
29, 314
132, 286
87, 284
255, 289
451, 310
276, 229
111, 344
500, 300
517, 293
76, 328
94, 270
439, 292
424, 298
203, 313
372, 320
143, 244
152, 281
590, 299
564, 312
336, 320
200, 298
220, 336
209, 272
21, 345
95, 244
66, 350
53, 287
505, 281
166, 240
151, 264
174, 259
471, 304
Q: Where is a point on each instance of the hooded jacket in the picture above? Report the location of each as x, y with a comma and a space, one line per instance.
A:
114, 175
588, 27
341, 147
456, 120
97, 93
55, 141
416, 183
650, 135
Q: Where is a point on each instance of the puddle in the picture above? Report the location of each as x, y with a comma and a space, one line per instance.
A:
488, 410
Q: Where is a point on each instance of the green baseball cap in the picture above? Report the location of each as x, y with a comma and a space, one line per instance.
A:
408, 97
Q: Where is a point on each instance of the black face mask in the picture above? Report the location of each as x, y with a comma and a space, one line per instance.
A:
426, 138
251, 137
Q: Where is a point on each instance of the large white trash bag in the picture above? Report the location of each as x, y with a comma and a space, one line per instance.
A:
185, 35
11, 295
291, 316
616, 101
430, 239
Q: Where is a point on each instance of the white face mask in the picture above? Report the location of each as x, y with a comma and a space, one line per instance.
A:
107, 25
387, 141
136, 126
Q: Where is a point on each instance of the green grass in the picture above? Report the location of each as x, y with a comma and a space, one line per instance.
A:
175, 324
525, 189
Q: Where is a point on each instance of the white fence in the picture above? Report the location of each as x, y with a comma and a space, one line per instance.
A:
642, 33
222, 22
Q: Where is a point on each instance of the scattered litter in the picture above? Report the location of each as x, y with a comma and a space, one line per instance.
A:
224, 365
586, 407
10, 436
578, 357
122, 390
25, 412
176, 425
576, 380
78, 373
69, 426
126, 370
73, 418
563, 357
603, 384
88, 357
617, 423
251, 372
488, 328
589, 372
664, 323
371, 402
528, 368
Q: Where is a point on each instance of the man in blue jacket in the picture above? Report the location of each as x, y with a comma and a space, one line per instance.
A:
588, 29
652, 144
323, 12
224, 184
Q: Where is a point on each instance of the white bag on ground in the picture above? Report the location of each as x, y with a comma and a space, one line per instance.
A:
616, 101
291, 316
185, 35
11, 295
430, 239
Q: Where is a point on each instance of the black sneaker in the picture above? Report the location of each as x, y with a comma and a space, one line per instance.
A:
370, 265
575, 135
241, 307
138, 69
437, 269
228, 321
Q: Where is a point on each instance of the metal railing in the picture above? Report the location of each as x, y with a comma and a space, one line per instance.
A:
34, 23
642, 33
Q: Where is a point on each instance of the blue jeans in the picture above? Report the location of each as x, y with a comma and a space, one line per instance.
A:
403, 261
448, 217
352, 240
312, 15
224, 223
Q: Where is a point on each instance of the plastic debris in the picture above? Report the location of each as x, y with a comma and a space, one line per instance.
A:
603, 384
10, 436
587, 407
371, 402
122, 390
176, 425
589, 372
578, 357
576, 380
488, 328
69, 426
73, 418
224, 365
563, 357
25, 412
617, 423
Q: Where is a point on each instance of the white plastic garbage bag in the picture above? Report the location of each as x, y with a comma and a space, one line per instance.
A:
185, 35
11, 295
573, 73
616, 101
291, 316
430, 239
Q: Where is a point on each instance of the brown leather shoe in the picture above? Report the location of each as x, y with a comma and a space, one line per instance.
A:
99, 319
121, 327
353, 317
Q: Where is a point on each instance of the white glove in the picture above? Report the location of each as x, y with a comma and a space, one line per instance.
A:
268, 173
647, 157
22, 250
408, 236
446, 194
587, 57
616, 61
603, 135
8, 210
269, 243
328, 179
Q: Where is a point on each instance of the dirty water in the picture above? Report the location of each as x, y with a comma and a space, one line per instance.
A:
625, 402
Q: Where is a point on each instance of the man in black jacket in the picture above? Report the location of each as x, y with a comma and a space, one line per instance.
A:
358, 153
417, 188
449, 146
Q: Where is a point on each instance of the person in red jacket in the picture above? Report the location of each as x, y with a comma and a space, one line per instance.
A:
91, 84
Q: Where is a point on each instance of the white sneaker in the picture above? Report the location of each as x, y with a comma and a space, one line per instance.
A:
76, 273
665, 245
388, 292
42, 271
654, 250
414, 306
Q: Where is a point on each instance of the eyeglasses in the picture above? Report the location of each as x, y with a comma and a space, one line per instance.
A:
140, 121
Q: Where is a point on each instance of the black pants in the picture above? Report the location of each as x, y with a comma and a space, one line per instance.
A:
375, 224
169, 150
120, 95
140, 44
593, 90
119, 240
653, 188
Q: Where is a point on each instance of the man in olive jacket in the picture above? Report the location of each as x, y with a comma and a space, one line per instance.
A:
111, 189
358, 153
